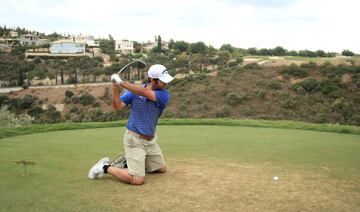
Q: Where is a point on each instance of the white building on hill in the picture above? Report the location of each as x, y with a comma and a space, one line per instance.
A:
29, 39
88, 39
67, 47
124, 47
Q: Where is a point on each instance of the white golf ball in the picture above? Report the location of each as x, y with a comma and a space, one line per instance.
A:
276, 178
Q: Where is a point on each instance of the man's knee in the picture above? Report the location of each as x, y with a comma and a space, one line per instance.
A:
162, 169
136, 180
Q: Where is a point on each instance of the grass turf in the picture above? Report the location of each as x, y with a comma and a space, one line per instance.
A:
210, 168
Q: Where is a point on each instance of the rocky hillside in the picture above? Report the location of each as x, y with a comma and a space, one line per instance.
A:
313, 93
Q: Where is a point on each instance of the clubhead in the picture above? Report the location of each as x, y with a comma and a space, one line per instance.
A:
140, 64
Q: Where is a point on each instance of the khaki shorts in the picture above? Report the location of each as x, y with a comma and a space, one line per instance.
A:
142, 155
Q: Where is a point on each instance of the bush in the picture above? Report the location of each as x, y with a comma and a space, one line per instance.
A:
252, 66
310, 65
86, 99
69, 94
75, 99
223, 112
51, 115
309, 85
261, 94
234, 99
74, 109
356, 80
291, 102
327, 87
295, 71
27, 101
35, 111
275, 85
3, 100
232, 63
9, 120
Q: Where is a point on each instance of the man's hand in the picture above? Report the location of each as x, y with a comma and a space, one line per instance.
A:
116, 79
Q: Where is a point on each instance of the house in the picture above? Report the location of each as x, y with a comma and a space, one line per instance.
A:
124, 47
29, 39
43, 41
88, 39
67, 47
150, 45
14, 34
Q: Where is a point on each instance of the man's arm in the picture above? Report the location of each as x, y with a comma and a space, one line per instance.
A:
139, 90
117, 104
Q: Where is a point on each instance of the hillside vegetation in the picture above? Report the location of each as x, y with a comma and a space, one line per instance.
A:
311, 93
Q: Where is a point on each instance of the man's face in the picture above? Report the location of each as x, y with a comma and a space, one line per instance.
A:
158, 84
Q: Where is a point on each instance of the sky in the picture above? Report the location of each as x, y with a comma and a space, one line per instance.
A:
330, 25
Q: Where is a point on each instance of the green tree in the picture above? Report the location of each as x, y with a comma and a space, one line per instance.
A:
228, 47
251, 51
320, 53
171, 44
347, 53
279, 51
108, 45
198, 47
264, 52
181, 46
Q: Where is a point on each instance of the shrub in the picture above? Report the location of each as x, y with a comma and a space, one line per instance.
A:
249, 111
86, 99
75, 99
3, 100
13, 103
310, 65
234, 99
27, 101
232, 63
8, 119
51, 115
95, 114
107, 95
356, 80
327, 86
223, 112
35, 111
74, 109
275, 85
252, 66
291, 102
69, 94
309, 85
295, 71
261, 94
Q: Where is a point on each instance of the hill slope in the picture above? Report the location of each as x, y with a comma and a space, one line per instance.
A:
312, 93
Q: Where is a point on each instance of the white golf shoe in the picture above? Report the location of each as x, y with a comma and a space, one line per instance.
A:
96, 170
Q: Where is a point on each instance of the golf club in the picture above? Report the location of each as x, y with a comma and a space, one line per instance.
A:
140, 64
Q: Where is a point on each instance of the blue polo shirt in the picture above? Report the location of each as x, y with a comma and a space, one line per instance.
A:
145, 113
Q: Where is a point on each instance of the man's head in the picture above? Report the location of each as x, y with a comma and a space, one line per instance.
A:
159, 72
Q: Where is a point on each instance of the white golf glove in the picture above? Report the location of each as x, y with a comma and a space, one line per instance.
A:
116, 79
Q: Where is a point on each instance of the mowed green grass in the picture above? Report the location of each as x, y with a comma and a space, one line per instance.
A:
216, 168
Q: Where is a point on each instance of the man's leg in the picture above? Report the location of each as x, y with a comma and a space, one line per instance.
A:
124, 176
162, 169
154, 161
135, 158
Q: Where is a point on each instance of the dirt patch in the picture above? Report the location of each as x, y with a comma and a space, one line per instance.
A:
346, 78
193, 185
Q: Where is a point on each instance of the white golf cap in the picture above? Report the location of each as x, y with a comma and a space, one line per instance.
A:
158, 71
